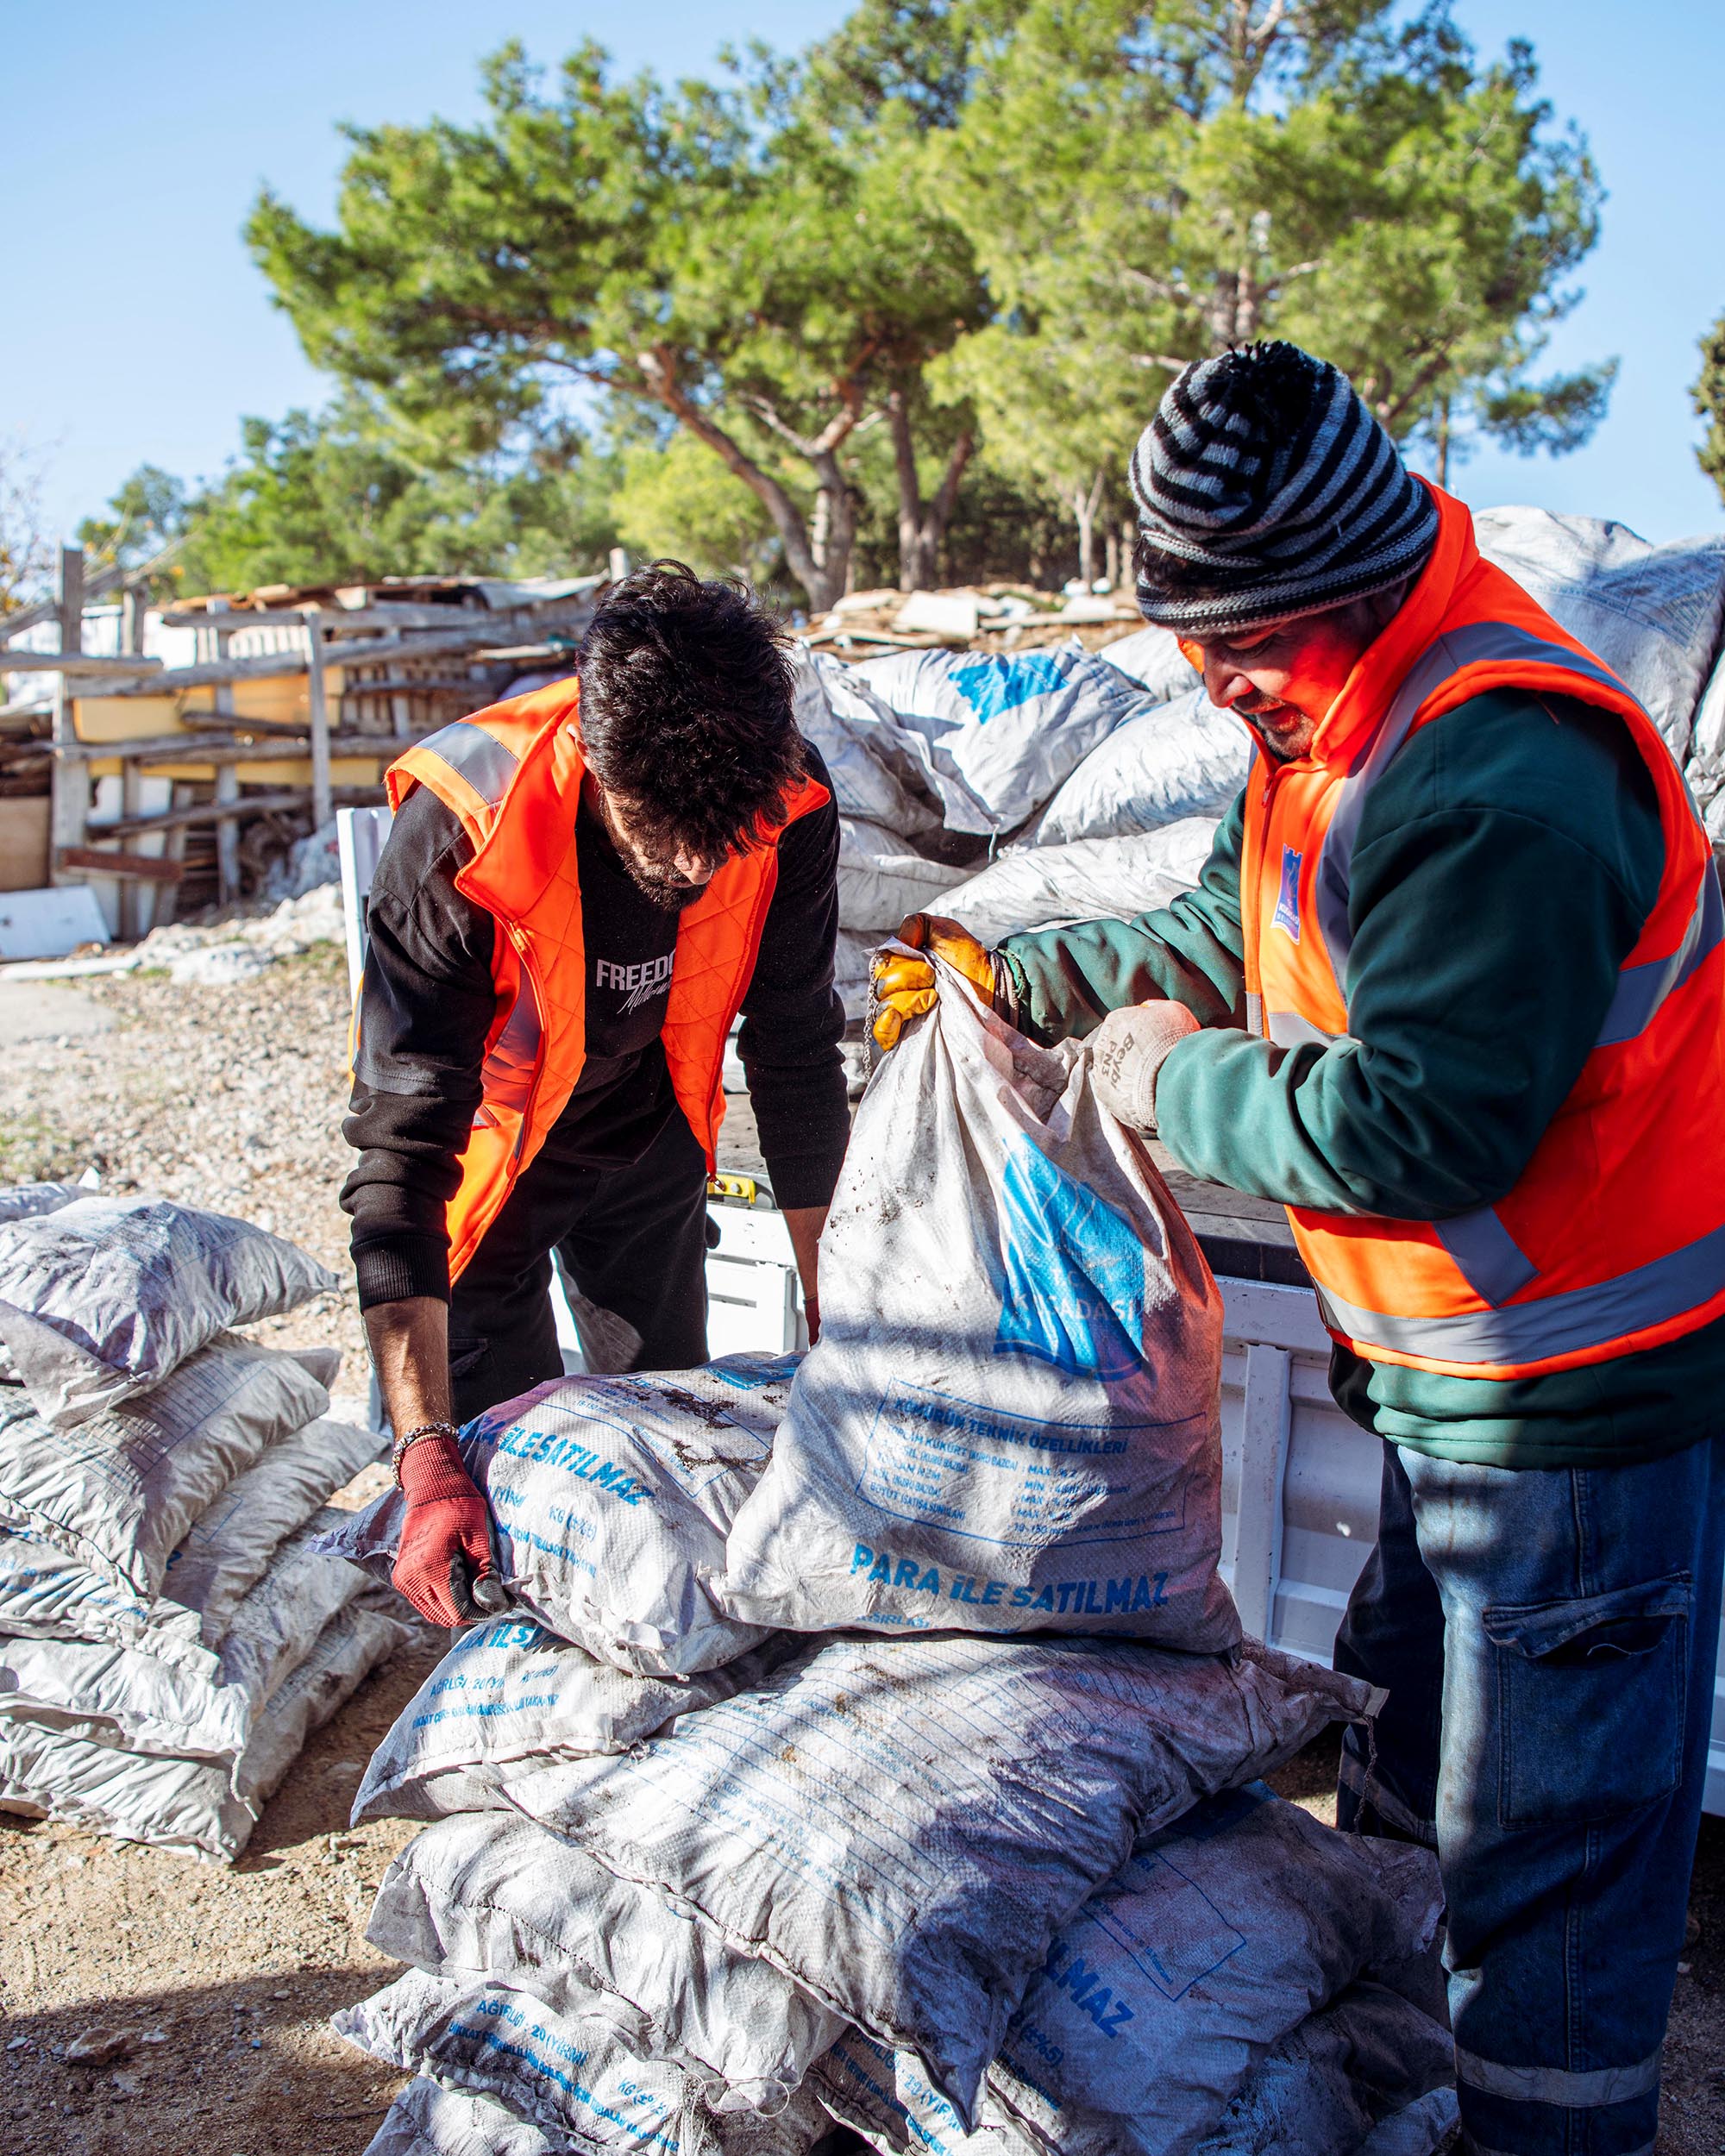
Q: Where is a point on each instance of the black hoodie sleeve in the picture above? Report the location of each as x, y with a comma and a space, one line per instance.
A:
794, 1018
426, 1005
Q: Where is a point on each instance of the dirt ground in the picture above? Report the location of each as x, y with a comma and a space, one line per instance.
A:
231, 1097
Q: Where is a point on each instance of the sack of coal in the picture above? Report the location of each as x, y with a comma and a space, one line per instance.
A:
612, 1498
103, 1298
1010, 1422
903, 1827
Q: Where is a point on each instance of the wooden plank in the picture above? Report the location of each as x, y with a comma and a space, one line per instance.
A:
137, 867
234, 748
85, 664
493, 632
321, 808
131, 804
238, 806
68, 784
343, 620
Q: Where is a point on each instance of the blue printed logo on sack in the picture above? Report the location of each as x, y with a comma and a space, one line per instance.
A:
1074, 1293
1000, 684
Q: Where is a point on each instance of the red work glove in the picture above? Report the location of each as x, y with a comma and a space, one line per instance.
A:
445, 1538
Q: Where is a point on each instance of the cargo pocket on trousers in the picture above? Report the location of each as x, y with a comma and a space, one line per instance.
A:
1591, 1700
468, 1358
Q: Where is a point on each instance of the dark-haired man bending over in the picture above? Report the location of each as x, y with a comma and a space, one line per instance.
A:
581, 889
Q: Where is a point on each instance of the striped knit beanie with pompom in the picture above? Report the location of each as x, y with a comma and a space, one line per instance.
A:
1265, 489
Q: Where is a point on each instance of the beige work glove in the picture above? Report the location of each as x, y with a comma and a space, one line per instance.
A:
1127, 1051
905, 987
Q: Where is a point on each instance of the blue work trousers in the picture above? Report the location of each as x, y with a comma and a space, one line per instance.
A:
1548, 1638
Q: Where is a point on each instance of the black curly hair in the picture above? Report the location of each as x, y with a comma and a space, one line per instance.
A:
686, 711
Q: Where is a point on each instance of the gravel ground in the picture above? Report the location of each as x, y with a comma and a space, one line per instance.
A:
231, 1097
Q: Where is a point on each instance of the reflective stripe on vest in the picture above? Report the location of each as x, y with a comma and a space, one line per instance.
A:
1476, 643
1556, 1324
1633, 1006
1529, 1283
481, 758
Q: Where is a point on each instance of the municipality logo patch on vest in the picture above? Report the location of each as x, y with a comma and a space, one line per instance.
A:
1287, 916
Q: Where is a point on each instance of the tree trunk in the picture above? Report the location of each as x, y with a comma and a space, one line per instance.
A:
819, 559
1111, 558
1085, 503
922, 525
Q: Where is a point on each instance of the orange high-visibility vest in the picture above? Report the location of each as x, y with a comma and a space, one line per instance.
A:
1613, 1239
512, 774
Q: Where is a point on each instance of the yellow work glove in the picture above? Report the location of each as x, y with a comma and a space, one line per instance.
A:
905, 987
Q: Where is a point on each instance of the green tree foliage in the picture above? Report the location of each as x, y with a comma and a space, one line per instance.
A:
142, 531
1709, 402
678, 499
1146, 186
336, 497
737, 257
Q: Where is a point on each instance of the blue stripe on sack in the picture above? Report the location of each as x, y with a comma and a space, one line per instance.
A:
476, 755
1642, 989
1486, 1255
1496, 642
1557, 1324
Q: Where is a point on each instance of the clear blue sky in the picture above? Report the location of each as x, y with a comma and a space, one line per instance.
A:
133, 139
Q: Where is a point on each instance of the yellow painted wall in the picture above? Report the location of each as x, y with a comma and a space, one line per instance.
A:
285, 699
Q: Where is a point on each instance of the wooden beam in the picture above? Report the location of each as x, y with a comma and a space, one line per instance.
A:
73, 661
232, 748
333, 620
321, 808
209, 812
68, 784
133, 867
247, 804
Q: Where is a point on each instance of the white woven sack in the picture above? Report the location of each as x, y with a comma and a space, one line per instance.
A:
1348, 2082
25, 1201
510, 1692
870, 759
1152, 658
1221, 1934
903, 1827
102, 1300
996, 732
46, 1594
231, 1542
1651, 613
135, 1699
568, 2072
1010, 1421
1182, 758
495, 1896
1371, 2074
612, 1498
120, 1492
429, 2120
880, 881
1090, 879
201, 1805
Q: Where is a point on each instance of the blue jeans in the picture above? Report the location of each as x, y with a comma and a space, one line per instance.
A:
1547, 1637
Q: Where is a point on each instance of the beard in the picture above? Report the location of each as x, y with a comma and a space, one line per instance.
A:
669, 893
1285, 730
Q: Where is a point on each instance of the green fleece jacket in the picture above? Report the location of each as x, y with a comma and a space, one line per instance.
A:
1505, 863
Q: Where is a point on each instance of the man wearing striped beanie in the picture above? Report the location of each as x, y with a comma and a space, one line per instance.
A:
1451, 988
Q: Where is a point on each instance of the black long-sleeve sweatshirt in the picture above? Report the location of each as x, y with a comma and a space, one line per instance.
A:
428, 1004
